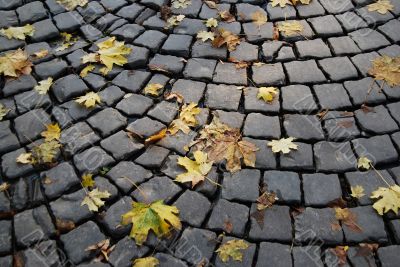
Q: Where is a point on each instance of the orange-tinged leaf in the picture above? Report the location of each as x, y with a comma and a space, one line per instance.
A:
53, 132
15, 64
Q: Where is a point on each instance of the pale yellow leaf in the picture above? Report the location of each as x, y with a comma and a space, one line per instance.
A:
267, 93
232, 249
53, 132
44, 86
211, 23
19, 33
357, 191
89, 100
381, 6
388, 199
290, 28
153, 89
205, 35
94, 199
85, 71
3, 111
364, 163
283, 145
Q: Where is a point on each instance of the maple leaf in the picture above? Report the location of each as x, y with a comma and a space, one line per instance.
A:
388, 199
68, 41
146, 262
381, 6
19, 33
232, 249
110, 52
386, 69
227, 38
266, 200
281, 3
205, 35
25, 158
197, 169
156, 216
153, 89
45, 152
15, 64
364, 163
267, 93
259, 18
181, 3
87, 180
85, 71
53, 132
211, 23
174, 21
72, 4
226, 16
357, 191
348, 218
3, 111
44, 86
94, 199
221, 142
283, 145
290, 28
89, 100
186, 119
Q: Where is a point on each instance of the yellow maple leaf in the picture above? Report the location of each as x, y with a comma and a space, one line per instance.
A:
381, 6
53, 132
44, 86
19, 33
25, 158
181, 3
87, 180
211, 23
69, 41
85, 71
267, 93
153, 89
3, 111
15, 64
45, 152
259, 18
281, 3
186, 119
357, 191
40, 54
197, 169
174, 21
72, 4
94, 199
364, 163
290, 28
283, 145
386, 69
232, 249
205, 35
146, 262
388, 199
89, 100
156, 216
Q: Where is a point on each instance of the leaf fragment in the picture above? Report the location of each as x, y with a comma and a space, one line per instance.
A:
174, 21
89, 100
266, 200
388, 199
3, 111
44, 86
146, 262
290, 28
227, 38
181, 3
72, 4
156, 216
25, 158
211, 23
87, 180
18, 33
85, 71
94, 199
283, 145
197, 169
386, 69
232, 249
347, 218
187, 118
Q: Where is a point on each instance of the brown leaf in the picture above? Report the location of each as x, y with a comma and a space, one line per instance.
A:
228, 226
321, 115
155, 138
259, 215
173, 95
104, 248
367, 109
266, 200
226, 16
211, 4
341, 253
345, 124
348, 218
64, 225
275, 35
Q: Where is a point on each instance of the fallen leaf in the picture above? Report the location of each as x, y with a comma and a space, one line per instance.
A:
259, 18
357, 191
19, 33
53, 132
283, 145
174, 21
290, 28
174, 95
226, 16
266, 200
211, 23
94, 199
364, 163
267, 93
40, 54
146, 262
25, 158
45, 152
87, 180
386, 69
153, 89
228, 226
110, 52
85, 71
185, 120
205, 35
281, 3
3, 111
64, 225
341, 254
227, 38
211, 4
366, 250
197, 169
347, 218
4, 186
181, 3
381, 6
156, 216
104, 247
388, 199
44, 86
232, 249
89, 100
157, 137
345, 124
15, 64
72, 4
68, 41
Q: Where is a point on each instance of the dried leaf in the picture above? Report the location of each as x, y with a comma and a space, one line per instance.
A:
45, 152
40, 54
197, 169
69, 41
153, 89
211, 23
72, 4
388, 199
157, 137
3, 111
226, 16
174, 21
104, 247
4, 186
156, 216
364, 163
173, 95
53, 132
44, 86
25, 158
89, 100
290, 28
211, 4
87, 180
85, 71
186, 119
357, 191
15, 64
266, 200
146, 262
205, 35
381, 6
259, 18
232, 249
386, 69
341, 254
281, 3
347, 218
19, 33
267, 93
227, 38
94, 199
181, 3
283, 145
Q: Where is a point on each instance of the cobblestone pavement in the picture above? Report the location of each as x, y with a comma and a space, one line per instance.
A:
42, 222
